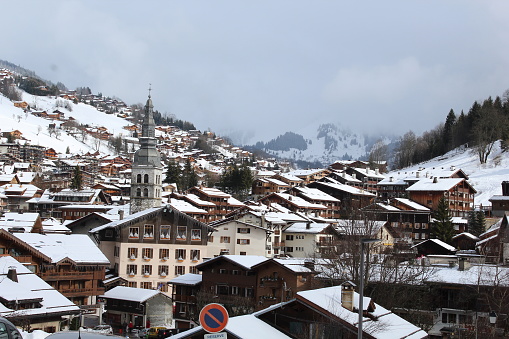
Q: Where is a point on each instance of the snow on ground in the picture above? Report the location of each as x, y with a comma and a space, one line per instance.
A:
35, 129
486, 178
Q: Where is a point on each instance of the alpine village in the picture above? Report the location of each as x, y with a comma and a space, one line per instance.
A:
141, 227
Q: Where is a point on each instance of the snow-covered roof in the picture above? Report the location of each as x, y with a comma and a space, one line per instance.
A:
412, 204
30, 285
78, 247
442, 184
131, 293
438, 242
185, 207
187, 279
302, 227
315, 194
348, 189
246, 261
386, 326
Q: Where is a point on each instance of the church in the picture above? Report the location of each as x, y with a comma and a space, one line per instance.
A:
155, 242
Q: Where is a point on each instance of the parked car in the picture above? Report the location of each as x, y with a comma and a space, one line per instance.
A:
164, 333
8, 330
81, 335
153, 332
142, 333
104, 329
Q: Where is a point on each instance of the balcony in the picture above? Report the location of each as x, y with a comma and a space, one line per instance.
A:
277, 244
81, 292
53, 276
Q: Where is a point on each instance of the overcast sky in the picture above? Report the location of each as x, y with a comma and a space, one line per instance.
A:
267, 67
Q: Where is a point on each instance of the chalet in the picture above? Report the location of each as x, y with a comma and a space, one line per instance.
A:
184, 294
316, 196
148, 247
410, 220
71, 264
458, 193
344, 178
465, 241
21, 104
370, 178
264, 186
434, 247
322, 313
307, 239
351, 198
21, 222
189, 209
253, 282
141, 307
310, 175
224, 202
197, 203
494, 243
294, 203
36, 305
500, 203
50, 153
18, 196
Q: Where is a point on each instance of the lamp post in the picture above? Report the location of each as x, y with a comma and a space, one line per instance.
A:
361, 286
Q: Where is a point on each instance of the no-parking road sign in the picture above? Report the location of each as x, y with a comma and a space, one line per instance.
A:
213, 318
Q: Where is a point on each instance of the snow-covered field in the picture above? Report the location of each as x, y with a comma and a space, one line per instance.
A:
485, 178
35, 129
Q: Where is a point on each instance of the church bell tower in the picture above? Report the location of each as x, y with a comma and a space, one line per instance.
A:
146, 168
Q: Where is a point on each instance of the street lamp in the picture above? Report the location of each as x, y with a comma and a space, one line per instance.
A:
361, 285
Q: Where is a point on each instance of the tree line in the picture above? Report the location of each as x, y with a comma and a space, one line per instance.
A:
485, 123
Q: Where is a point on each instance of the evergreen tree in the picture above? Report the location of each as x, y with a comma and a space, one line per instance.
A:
448, 136
77, 179
189, 177
480, 223
173, 173
442, 227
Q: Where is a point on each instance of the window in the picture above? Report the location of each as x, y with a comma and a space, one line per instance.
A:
222, 289
417, 225
235, 272
416, 235
288, 249
195, 255
181, 233
162, 286
132, 253
132, 284
211, 238
289, 237
195, 234
299, 249
243, 230
146, 285
145, 192
116, 251
243, 241
164, 253
180, 254
165, 232
138, 178
180, 270
162, 270
223, 271
132, 270
235, 290
134, 233
145, 178
146, 270
148, 232
108, 233
424, 226
224, 240
148, 253
138, 192
194, 270
243, 253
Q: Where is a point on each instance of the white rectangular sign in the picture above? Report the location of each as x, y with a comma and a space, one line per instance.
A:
221, 335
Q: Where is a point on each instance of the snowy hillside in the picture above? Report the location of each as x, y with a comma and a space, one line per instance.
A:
35, 129
486, 178
326, 143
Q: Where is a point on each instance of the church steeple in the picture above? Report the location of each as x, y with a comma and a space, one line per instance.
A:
146, 168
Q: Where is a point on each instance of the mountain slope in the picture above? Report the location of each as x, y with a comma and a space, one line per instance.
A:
485, 178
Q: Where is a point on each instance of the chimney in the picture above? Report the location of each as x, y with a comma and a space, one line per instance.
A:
435, 180
309, 264
417, 174
391, 179
463, 264
121, 214
453, 168
12, 274
308, 225
377, 171
347, 289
